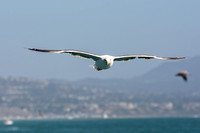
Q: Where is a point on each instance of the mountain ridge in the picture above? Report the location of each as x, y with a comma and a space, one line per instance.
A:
164, 73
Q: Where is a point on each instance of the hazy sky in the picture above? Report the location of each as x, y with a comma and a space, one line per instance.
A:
116, 27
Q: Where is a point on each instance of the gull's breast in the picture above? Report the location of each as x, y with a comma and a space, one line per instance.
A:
102, 64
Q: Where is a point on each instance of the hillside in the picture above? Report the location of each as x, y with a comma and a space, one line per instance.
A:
157, 93
162, 77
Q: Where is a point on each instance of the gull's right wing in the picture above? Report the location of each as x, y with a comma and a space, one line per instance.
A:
82, 54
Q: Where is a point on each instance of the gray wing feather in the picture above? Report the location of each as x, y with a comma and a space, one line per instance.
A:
131, 57
72, 52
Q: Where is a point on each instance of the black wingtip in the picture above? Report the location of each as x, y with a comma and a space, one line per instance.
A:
174, 58
33, 49
38, 50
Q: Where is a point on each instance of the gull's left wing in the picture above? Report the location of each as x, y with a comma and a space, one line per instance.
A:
131, 57
72, 52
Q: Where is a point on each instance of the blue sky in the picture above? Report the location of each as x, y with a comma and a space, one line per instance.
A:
115, 27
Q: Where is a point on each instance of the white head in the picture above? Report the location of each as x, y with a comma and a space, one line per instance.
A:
108, 59
105, 62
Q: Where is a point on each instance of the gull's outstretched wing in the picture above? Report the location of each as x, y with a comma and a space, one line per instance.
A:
184, 77
72, 52
131, 57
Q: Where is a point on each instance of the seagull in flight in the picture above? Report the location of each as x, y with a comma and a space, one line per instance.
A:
103, 62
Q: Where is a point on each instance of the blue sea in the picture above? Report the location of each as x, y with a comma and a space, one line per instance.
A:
142, 125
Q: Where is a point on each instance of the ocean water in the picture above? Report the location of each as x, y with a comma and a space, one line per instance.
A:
157, 125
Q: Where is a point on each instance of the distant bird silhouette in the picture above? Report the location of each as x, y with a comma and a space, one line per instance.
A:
183, 74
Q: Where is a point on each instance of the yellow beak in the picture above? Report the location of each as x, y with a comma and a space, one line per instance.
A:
107, 62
